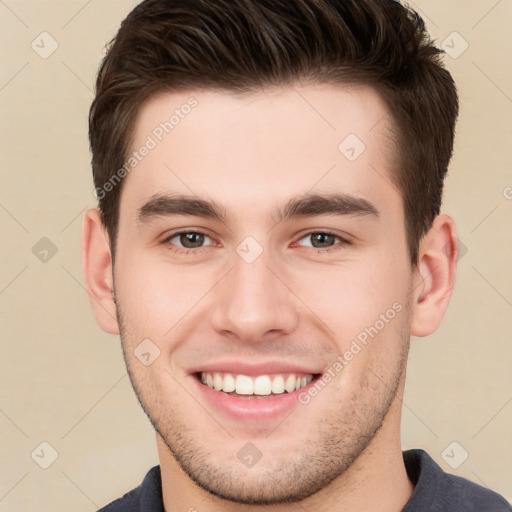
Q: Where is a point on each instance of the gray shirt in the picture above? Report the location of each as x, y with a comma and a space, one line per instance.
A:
435, 491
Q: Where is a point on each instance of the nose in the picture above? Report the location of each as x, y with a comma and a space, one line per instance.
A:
253, 302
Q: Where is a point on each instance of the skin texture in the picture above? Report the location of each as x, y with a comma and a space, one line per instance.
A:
296, 302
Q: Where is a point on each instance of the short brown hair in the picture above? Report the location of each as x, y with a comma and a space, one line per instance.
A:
245, 45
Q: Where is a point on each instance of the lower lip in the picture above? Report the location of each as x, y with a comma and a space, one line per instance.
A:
251, 409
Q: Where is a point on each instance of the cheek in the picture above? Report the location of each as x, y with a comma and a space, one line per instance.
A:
157, 296
351, 297
340, 299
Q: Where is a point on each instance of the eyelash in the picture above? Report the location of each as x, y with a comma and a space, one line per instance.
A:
343, 241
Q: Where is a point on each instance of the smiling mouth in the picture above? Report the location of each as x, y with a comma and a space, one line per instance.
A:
261, 386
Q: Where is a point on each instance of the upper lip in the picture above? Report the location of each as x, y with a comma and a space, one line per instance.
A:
253, 369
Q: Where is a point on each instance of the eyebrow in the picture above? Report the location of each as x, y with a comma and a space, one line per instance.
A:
307, 205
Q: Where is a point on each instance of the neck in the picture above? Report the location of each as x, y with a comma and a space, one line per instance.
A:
377, 480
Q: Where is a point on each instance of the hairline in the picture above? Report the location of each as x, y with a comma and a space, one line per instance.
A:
393, 136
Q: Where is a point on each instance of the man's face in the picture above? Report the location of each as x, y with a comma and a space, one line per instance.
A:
256, 293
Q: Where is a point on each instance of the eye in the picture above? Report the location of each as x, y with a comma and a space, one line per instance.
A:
192, 241
324, 241
187, 241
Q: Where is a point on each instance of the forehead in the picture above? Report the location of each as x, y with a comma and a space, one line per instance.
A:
260, 147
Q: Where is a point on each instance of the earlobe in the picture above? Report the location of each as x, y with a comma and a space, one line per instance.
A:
97, 269
434, 276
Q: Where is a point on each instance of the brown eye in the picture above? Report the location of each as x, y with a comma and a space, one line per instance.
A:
191, 240
188, 240
322, 240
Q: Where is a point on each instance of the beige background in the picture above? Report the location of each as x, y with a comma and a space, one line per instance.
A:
63, 381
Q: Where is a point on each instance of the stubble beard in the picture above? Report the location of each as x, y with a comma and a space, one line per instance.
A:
341, 436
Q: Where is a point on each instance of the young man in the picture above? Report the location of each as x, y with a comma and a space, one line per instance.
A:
268, 238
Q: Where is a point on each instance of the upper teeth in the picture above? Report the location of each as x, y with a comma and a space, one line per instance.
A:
261, 385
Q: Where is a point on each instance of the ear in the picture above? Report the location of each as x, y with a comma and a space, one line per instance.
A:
97, 269
434, 276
